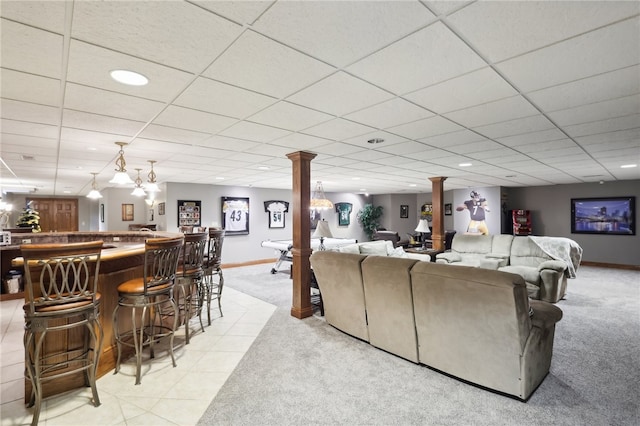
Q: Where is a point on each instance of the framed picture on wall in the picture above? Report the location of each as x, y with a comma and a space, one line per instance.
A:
127, 212
606, 215
448, 210
161, 209
102, 213
314, 216
235, 215
189, 213
404, 211
344, 213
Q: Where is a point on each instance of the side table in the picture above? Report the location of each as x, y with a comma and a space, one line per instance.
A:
419, 250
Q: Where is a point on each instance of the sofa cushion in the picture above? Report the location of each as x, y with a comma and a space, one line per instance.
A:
476, 244
351, 248
529, 273
398, 252
524, 252
376, 248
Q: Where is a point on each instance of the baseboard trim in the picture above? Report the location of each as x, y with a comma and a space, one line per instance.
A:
612, 265
249, 263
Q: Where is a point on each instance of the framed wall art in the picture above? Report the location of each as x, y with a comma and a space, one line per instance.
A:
161, 209
235, 215
314, 216
127, 212
404, 211
344, 213
189, 213
448, 210
102, 213
607, 215
276, 210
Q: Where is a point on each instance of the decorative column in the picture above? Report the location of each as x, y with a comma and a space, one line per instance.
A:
437, 227
301, 273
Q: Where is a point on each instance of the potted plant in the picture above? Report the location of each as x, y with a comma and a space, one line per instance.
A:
369, 217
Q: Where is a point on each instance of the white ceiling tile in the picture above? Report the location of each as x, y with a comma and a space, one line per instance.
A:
444, 7
477, 146
177, 34
338, 129
21, 86
534, 123
598, 111
610, 85
338, 149
546, 146
261, 64
340, 94
91, 65
477, 87
186, 118
227, 143
600, 138
289, 116
390, 113
533, 137
363, 141
502, 30
28, 129
24, 111
425, 128
453, 138
321, 28
254, 132
428, 56
584, 56
100, 123
299, 141
493, 112
27, 49
242, 12
172, 134
404, 148
604, 126
219, 98
368, 155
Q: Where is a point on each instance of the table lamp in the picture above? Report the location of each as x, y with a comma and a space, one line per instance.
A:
423, 228
322, 232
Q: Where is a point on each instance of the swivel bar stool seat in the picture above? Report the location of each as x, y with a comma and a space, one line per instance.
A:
146, 297
189, 279
61, 295
213, 281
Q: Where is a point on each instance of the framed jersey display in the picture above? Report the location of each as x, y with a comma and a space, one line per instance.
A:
189, 213
344, 213
235, 215
276, 210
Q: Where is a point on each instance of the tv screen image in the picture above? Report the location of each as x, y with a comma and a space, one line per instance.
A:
611, 215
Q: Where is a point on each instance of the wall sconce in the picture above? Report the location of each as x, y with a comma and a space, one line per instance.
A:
138, 191
319, 201
121, 177
94, 194
151, 184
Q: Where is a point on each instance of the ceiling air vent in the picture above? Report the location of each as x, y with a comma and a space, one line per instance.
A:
28, 157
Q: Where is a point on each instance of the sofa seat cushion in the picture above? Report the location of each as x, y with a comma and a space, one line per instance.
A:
529, 273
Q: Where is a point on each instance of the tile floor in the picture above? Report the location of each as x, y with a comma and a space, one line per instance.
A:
167, 395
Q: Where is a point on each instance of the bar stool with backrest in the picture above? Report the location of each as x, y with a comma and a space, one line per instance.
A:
190, 273
61, 294
147, 297
213, 281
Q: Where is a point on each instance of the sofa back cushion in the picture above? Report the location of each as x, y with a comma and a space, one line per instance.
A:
524, 252
376, 248
339, 277
472, 244
389, 299
501, 245
471, 322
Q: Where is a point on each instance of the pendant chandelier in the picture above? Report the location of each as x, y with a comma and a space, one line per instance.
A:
121, 177
138, 191
319, 201
94, 194
151, 185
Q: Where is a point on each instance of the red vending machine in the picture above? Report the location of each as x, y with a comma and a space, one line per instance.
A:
521, 220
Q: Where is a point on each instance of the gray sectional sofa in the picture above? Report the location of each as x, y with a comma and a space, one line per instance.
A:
545, 263
475, 324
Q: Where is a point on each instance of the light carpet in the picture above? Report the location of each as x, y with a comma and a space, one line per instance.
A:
307, 372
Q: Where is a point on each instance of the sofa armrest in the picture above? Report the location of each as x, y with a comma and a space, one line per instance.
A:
449, 257
545, 314
556, 265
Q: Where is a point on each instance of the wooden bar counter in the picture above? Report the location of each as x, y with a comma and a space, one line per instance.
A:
122, 259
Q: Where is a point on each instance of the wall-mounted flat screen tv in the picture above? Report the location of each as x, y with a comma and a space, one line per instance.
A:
610, 215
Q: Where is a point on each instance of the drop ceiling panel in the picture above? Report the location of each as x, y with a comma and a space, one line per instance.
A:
171, 134
200, 121
176, 34
231, 144
610, 85
211, 96
112, 104
390, 113
289, 116
598, 111
604, 126
428, 56
24, 111
338, 129
100, 123
362, 141
263, 65
320, 28
27, 49
453, 138
254, 132
298, 141
242, 12
425, 128
48, 15
526, 125
30, 88
533, 137
502, 30
403, 148
583, 56
340, 94
603, 138
493, 112
28, 129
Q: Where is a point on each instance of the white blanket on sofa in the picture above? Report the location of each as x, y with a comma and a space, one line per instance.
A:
561, 248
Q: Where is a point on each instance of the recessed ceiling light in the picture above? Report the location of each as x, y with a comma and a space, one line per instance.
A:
263, 168
628, 166
129, 77
413, 184
464, 165
375, 140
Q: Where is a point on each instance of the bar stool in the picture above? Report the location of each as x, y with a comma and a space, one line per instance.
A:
189, 275
61, 294
211, 288
149, 293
